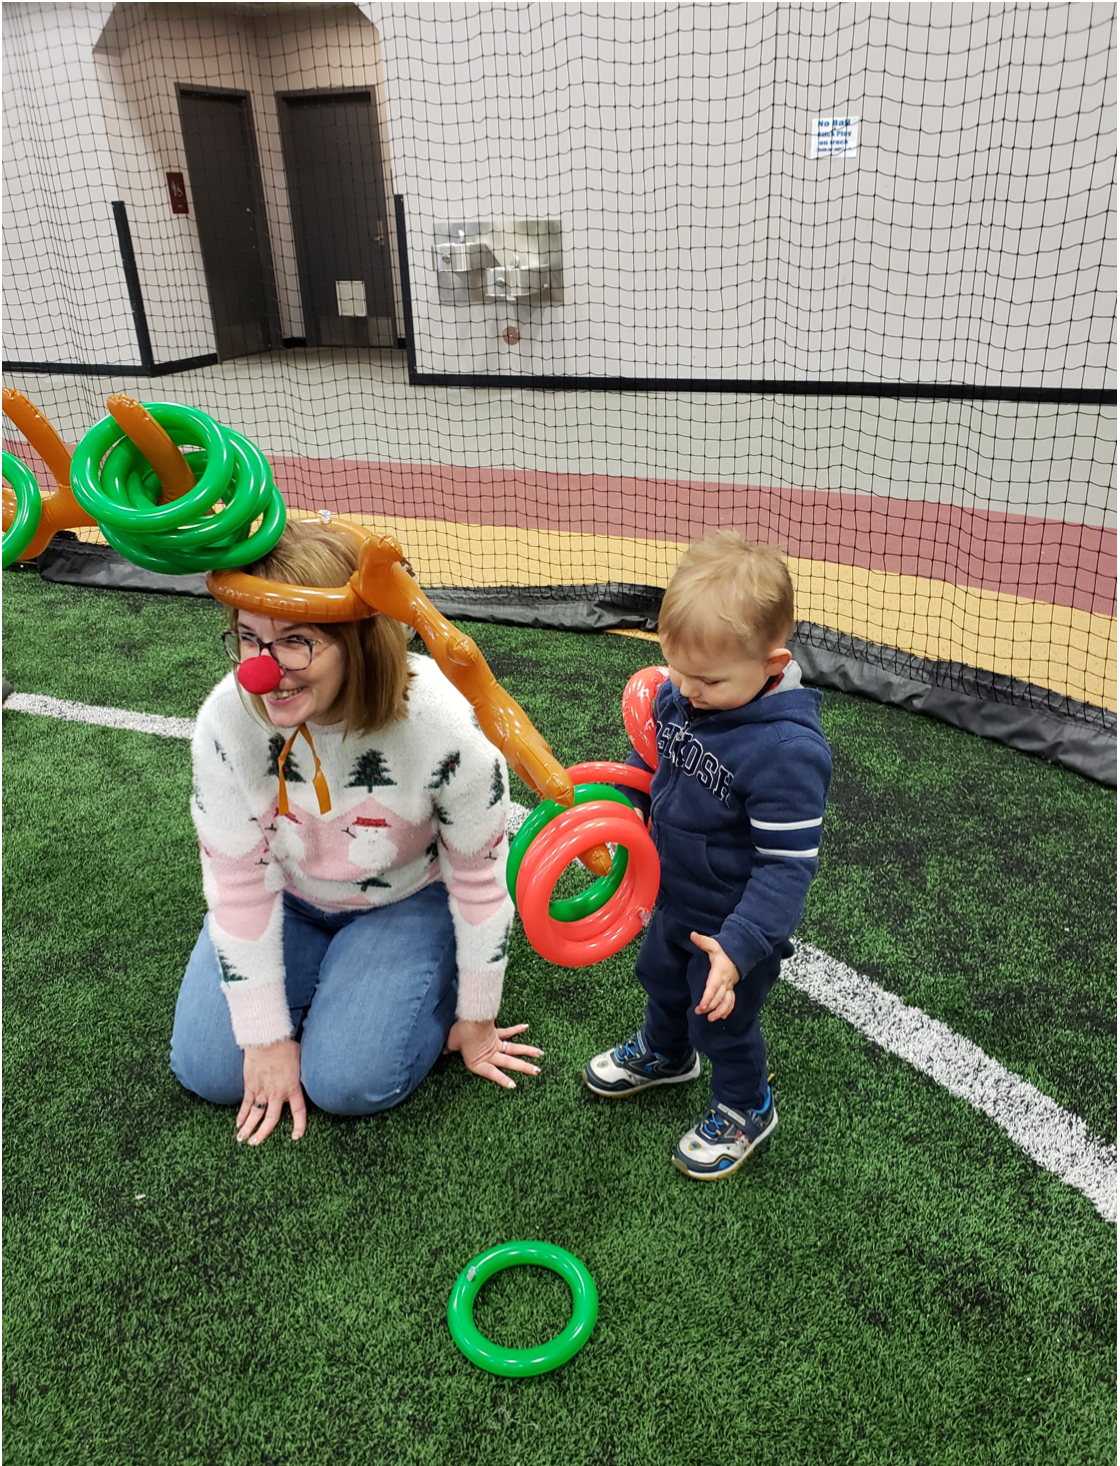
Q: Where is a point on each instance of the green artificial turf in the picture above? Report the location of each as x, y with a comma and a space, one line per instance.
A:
893, 1281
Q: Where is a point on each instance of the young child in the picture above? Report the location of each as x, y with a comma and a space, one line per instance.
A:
737, 802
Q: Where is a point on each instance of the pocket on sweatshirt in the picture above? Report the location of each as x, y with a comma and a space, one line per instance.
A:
687, 878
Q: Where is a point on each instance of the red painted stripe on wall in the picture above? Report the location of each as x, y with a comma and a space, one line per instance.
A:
1051, 560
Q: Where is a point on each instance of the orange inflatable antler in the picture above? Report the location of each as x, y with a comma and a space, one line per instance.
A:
381, 583
60, 509
382, 580
137, 423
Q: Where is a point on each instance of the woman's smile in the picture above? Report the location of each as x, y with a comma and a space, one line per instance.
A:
311, 694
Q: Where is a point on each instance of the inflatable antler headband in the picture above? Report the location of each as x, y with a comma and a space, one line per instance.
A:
215, 508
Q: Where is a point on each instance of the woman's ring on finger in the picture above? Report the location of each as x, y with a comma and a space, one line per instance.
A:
258, 1106
502, 1045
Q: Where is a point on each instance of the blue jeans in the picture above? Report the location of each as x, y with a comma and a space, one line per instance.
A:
372, 996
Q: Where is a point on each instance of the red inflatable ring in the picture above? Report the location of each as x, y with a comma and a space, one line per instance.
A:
608, 773
606, 931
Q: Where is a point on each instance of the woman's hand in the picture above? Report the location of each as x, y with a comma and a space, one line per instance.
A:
484, 1048
271, 1081
719, 991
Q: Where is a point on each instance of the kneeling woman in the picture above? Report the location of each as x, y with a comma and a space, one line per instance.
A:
353, 832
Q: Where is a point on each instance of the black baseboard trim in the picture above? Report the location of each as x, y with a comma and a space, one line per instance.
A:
107, 369
1021, 715
766, 387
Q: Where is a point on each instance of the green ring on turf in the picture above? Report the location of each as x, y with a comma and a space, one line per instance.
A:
29, 508
520, 1363
570, 908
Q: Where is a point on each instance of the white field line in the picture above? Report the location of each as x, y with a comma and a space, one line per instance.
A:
1050, 1135
80, 712
1056, 1140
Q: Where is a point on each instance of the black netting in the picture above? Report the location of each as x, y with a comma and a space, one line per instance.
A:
549, 290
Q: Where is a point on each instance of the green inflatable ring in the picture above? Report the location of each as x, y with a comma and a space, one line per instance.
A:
29, 508
519, 1363
571, 908
114, 483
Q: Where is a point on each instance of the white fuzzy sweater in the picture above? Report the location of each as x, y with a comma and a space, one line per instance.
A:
420, 801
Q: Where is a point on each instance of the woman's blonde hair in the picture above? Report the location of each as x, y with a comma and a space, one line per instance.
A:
375, 652
725, 589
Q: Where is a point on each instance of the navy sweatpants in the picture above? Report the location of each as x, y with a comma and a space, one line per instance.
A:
674, 972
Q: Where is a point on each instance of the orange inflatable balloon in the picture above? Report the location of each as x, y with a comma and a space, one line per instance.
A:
60, 509
276, 598
637, 711
137, 423
382, 583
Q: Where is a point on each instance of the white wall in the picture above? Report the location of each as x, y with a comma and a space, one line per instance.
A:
65, 297
970, 240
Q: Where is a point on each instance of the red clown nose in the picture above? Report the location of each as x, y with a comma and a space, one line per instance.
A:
259, 675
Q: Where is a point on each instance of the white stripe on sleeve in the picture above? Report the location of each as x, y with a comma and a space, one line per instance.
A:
793, 825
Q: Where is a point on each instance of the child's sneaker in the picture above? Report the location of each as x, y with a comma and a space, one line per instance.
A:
723, 1140
633, 1066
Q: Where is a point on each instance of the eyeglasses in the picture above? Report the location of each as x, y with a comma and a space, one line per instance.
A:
293, 653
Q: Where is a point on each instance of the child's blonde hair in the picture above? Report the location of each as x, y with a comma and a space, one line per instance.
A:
727, 589
375, 651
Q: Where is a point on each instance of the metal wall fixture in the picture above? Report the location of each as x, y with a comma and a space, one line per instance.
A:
517, 261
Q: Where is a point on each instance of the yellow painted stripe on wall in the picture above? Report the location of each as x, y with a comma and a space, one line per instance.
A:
1072, 652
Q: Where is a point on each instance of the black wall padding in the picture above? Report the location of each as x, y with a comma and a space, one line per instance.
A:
1041, 722
74, 562
609, 606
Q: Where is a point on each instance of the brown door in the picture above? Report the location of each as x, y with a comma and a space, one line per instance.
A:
336, 187
229, 214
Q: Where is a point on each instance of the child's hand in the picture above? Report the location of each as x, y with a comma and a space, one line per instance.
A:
719, 991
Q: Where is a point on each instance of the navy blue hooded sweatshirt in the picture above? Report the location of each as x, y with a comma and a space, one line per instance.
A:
738, 797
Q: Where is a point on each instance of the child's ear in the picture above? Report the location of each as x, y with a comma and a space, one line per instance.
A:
778, 661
